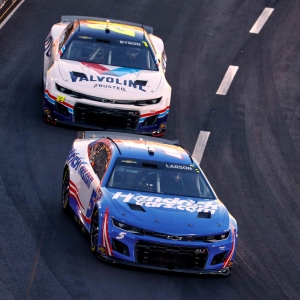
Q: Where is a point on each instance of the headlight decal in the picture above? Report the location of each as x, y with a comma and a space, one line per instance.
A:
127, 227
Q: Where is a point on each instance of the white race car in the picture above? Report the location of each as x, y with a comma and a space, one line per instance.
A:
106, 74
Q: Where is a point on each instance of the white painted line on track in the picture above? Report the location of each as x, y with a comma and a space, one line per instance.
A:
261, 20
226, 82
200, 145
11, 14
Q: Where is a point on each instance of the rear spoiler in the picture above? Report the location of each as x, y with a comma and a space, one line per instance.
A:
123, 136
69, 19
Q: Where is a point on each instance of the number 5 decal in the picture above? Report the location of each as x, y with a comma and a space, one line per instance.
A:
121, 235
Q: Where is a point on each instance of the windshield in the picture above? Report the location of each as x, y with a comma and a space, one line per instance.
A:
114, 52
159, 177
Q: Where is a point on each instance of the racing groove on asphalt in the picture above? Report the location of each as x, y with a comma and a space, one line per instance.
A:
251, 159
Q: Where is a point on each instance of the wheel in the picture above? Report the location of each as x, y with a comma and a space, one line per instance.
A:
94, 232
227, 272
65, 191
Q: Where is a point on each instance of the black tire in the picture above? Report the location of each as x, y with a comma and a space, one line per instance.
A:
228, 273
65, 191
94, 232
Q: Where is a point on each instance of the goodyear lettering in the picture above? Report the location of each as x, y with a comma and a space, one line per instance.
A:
77, 164
170, 203
113, 81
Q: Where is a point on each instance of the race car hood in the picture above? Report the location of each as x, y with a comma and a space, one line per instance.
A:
99, 77
169, 211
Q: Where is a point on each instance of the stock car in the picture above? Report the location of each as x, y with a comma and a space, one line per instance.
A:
144, 201
105, 74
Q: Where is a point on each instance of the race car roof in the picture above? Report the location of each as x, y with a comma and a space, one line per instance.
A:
110, 30
150, 150
143, 147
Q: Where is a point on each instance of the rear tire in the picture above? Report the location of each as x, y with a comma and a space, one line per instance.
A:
65, 190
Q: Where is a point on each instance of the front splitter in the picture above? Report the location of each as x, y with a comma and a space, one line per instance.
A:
224, 272
80, 125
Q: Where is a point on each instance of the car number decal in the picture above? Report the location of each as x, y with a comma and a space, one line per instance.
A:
120, 235
60, 98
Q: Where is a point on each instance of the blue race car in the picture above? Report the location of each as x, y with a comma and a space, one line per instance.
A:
145, 202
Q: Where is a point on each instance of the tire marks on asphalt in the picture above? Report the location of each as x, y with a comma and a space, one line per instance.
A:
36, 261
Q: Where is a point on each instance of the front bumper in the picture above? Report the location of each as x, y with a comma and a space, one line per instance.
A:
88, 114
224, 271
146, 251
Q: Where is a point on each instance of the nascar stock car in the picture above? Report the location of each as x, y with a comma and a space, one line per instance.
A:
144, 201
105, 74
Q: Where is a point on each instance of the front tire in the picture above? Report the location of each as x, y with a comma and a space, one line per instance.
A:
65, 191
94, 232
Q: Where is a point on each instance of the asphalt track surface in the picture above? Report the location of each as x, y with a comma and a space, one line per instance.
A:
252, 156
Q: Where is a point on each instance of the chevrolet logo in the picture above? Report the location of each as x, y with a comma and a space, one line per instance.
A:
174, 238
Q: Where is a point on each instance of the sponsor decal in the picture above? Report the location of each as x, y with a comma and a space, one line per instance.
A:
162, 125
102, 249
77, 164
47, 111
169, 203
92, 201
107, 82
108, 86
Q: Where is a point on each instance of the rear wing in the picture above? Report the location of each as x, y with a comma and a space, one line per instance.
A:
123, 136
69, 19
